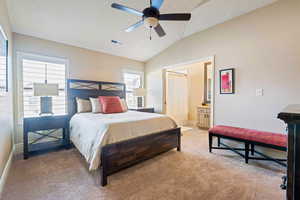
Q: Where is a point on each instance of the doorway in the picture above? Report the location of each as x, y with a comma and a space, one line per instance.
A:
189, 93
177, 105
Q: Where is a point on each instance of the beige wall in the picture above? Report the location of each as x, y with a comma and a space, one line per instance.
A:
83, 64
263, 47
6, 114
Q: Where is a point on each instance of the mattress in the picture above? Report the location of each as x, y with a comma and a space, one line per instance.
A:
89, 132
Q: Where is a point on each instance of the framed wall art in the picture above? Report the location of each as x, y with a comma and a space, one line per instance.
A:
227, 85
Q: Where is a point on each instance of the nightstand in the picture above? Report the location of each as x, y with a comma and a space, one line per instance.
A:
43, 127
143, 109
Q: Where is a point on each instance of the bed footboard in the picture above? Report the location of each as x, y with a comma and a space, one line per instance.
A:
121, 155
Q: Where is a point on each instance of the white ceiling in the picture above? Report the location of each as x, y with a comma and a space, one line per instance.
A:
92, 24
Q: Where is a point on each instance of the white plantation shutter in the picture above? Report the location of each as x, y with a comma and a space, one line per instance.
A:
3, 61
132, 80
2, 72
41, 72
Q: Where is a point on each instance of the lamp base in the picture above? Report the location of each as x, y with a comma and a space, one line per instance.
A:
140, 102
46, 106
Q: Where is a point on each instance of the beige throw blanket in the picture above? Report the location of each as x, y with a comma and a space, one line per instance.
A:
89, 132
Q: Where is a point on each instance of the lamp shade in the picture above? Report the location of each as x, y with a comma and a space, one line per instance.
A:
139, 92
43, 89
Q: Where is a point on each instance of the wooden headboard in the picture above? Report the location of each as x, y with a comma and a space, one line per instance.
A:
85, 89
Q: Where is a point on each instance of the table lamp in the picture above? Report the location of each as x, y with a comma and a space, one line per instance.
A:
45, 91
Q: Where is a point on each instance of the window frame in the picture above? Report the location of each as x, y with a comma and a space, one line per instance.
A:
136, 72
19, 85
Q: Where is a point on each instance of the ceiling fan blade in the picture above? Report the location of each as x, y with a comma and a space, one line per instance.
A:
200, 4
157, 3
175, 17
127, 9
160, 31
134, 26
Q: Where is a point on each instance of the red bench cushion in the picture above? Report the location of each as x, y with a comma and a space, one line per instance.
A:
277, 139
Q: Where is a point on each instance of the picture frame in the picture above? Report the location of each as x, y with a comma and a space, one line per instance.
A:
3, 62
227, 81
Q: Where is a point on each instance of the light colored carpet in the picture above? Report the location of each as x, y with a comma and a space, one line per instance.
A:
191, 174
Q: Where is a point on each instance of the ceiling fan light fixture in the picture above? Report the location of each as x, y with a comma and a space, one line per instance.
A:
151, 22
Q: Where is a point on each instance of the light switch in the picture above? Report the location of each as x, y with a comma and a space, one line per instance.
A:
259, 92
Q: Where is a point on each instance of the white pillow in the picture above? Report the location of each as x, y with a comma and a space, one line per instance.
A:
124, 105
83, 105
96, 105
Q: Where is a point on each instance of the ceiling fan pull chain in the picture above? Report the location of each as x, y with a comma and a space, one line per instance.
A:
150, 33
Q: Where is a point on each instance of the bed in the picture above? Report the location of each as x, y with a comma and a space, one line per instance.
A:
112, 142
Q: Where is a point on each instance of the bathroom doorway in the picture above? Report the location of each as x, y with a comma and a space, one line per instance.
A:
189, 93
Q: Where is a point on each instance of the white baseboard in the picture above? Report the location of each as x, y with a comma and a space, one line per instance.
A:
18, 148
6, 171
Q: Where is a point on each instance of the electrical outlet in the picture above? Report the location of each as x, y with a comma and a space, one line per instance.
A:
259, 92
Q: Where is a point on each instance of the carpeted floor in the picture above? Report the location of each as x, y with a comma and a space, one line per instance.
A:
190, 174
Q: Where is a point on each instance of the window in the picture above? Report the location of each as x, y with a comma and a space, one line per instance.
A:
37, 71
3, 61
132, 80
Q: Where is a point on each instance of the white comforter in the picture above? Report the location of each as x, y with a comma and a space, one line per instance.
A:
89, 132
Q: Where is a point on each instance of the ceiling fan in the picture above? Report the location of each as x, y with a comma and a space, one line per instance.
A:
151, 16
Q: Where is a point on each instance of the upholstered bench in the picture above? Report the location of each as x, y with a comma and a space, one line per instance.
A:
250, 138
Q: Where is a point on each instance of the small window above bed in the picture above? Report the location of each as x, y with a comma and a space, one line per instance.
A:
132, 80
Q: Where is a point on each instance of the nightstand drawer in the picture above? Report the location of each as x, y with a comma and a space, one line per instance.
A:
45, 123
45, 127
149, 110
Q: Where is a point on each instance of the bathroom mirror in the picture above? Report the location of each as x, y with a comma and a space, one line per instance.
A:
207, 82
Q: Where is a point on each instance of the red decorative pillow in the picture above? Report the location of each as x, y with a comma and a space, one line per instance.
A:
111, 104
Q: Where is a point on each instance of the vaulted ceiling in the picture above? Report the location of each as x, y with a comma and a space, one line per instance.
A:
92, 24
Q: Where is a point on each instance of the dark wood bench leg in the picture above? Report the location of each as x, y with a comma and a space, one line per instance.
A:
252, 149
246, 152
210, 141
219, 141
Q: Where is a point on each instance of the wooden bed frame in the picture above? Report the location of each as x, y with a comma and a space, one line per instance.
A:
121, 155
